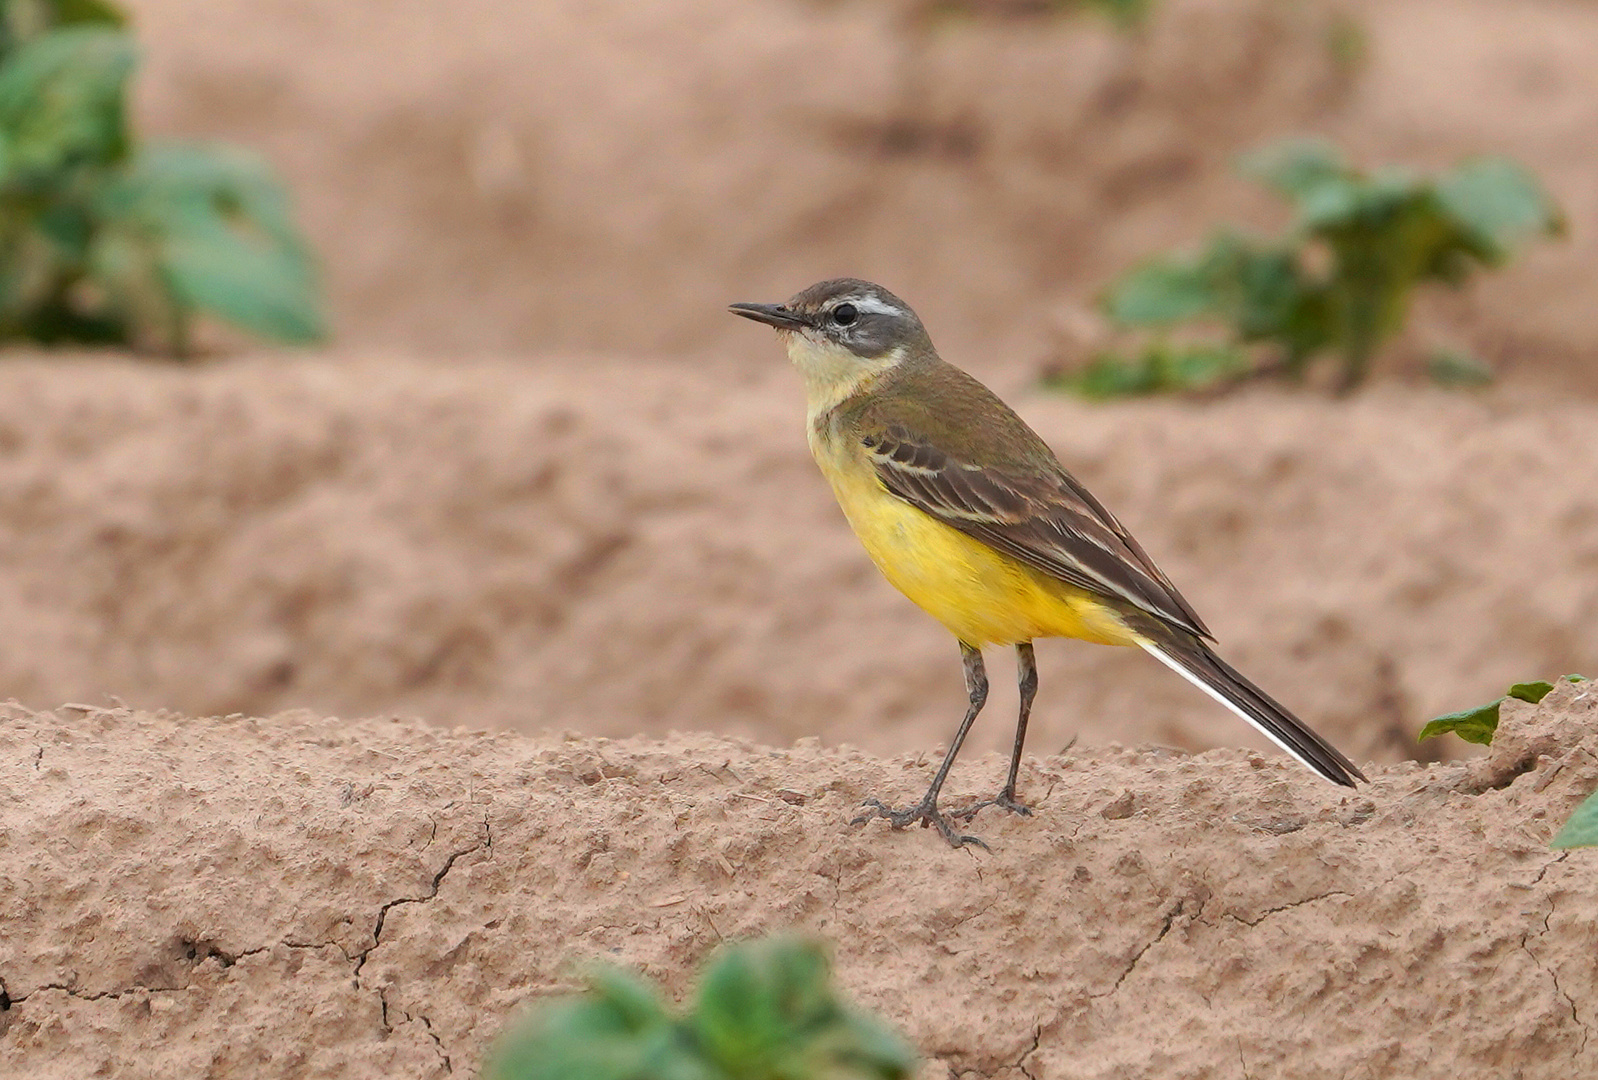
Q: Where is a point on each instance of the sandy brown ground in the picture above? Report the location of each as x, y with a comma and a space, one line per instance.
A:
307, 897
607, 174
639, 548
541, 481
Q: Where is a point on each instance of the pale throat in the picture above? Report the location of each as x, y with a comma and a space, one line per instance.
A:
833, 374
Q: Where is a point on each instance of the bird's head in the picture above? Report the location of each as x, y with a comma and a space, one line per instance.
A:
841, 333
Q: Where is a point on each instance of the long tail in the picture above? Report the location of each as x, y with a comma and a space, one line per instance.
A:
1198, 665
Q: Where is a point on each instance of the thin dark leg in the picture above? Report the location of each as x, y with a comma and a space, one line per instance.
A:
926, 811
1027, 680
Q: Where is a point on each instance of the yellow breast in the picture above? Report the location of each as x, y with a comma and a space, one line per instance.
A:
983, 596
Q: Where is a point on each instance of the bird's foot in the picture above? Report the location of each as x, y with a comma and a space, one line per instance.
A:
926, 812
1004, 800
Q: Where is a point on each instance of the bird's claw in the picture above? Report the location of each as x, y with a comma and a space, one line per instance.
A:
926, 812
1004, 800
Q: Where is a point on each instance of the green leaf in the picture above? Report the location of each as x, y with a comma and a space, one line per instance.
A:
216, 226
1473, 725
1159, 368
631, 1000
1582, 828
1296, 167
1271, 299
69, 12
26, 19
1334, 202
1109, 376
258, 287
1479, 725
618, 1030
1158, 293
61, 104
757, 999
765, 1011
1499, 202
1196, 367
1455, 367
1530, 691
1348, 42
863, 1047
1126, 13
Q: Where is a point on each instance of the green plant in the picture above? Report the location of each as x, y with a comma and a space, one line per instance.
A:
1128, 14
1457, 368
1480, 724
104, 240
1161, 366
1581, 829
1341, 278
1347, 42
765, 1010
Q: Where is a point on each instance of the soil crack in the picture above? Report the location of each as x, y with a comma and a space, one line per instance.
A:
485, 844
1268, 912
1165, 928
1553, 974
79, 995
443, 1054
1019, 1064
983, 910
197, 952
1549, 865
414, 1018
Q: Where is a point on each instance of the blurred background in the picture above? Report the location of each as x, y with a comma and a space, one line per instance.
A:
533, 475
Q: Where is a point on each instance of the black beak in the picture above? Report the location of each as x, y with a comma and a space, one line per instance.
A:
770, 314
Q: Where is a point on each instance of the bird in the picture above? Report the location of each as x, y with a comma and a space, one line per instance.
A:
966, 510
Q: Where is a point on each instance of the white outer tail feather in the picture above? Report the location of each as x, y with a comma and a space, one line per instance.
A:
1164, 658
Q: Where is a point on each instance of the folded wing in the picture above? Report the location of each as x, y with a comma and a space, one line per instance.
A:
1044, 519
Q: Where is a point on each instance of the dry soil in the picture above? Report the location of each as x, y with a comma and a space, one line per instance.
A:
308, 897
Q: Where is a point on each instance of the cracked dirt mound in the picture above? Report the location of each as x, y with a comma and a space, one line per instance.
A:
309, 897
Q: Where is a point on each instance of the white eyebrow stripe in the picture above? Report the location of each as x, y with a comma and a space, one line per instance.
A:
873, 305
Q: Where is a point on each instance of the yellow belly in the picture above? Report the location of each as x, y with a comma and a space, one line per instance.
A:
983, 596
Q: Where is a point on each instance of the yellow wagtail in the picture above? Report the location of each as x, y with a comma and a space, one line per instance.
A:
966, 511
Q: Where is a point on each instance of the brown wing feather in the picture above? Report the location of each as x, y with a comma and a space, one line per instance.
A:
1048, 521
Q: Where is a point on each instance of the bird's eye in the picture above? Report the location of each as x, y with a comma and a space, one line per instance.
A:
844, 314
